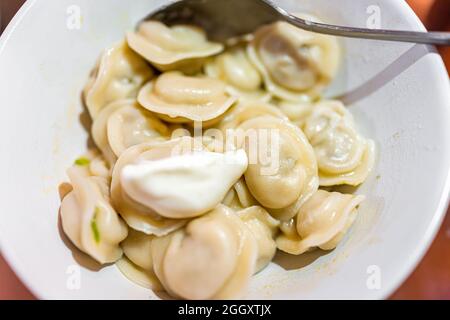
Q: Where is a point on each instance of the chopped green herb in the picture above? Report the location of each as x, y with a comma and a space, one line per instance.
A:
82, 161
94, 226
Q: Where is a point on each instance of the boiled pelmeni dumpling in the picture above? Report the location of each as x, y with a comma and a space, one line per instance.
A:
296, 64
89, 220
99, 129
321, 222
264, 228
179, 47
343, 155
137, 248
137, 264
142, 277
354, 177
235, 68
324, 116
123, 124
183, 99
212, 258
119, 74
285, 169
132, 125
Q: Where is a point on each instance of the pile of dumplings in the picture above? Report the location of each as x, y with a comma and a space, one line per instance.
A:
145, 96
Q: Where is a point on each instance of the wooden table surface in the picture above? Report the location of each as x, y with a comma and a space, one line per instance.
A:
430, 280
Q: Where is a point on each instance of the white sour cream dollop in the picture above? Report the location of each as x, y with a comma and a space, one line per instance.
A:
186, 185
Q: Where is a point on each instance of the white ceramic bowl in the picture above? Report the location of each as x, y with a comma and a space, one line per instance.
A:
399, 94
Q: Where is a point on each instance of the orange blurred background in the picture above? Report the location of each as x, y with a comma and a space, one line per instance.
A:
430, 280
435, 14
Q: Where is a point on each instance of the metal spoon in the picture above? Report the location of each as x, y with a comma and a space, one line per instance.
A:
225, 19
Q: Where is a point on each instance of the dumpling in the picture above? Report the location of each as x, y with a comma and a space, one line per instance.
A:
132, 125
142, 277
99, 129
89, 220
296, 64
243, 111
212, 258
343, 156
321, 222
123, 124
120, 74
137, 265
137, 248
136, 215
179, 47
182, 99
264, 228
235, 68
282, 170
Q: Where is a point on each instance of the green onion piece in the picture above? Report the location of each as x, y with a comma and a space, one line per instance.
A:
82, 161
94, 227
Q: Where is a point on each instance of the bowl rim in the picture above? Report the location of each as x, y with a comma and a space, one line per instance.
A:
395, 281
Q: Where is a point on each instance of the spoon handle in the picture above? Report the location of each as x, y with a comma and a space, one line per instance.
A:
437, 38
